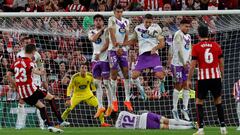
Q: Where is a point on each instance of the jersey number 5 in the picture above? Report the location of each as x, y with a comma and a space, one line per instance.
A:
20, 74
208, 56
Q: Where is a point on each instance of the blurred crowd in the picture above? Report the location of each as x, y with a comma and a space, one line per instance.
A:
107, 5
64, 46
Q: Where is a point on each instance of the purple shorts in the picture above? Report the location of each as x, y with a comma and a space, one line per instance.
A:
180, 74
148, 60
101, 69
114, 60
153, 121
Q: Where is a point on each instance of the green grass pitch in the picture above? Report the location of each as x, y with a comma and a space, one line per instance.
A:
113, 131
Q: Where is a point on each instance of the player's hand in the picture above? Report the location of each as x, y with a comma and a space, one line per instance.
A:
154, 51
189, 84
68, 103
119, 52
97, 56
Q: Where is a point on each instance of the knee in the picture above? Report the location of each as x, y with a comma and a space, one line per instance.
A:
199, 101
49, 96
218, 100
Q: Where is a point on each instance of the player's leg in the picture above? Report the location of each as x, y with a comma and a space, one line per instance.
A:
45, 118
177, 74
113, 62
238, 113
106, 75
74, 103
123, 63
186, 96
40, 120
92, 101
136, 81
216, 92
21, 115
99, 92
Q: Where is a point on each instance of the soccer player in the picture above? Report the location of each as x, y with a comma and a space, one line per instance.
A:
236, 94
23, 69
81, 86
208, 55
21, 115
148, 35
117, 54
181, 50
101, 70
150, 121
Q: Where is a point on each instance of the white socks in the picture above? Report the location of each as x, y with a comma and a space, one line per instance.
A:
21, 116
185, 99
238, 112
179, 127
139, 86
113, 88
99, 93
175, 99
179, 122
127, 89
109, 92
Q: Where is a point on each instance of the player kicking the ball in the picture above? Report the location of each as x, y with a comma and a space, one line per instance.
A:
81, 86
148, 36
23, 69
209, 57
179, 66
150, 121
117, 54
101, 70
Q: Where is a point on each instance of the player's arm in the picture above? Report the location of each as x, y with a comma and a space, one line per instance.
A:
221, 62
112, 28
133, 39
193, 64
93, 37
93, 85
105, 46
38, 71
160, 45
10, 79
170, 56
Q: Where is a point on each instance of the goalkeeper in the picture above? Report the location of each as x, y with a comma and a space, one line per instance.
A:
79, 89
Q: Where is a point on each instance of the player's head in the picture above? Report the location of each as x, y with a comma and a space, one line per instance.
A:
84, 68
118, 10
148, 20
98, 21
30, 50
203, 31
185, 25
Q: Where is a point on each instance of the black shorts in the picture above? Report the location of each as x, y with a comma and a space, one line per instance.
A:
33, 99
213, 85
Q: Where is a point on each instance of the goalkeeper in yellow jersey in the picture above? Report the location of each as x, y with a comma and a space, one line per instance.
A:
80, 90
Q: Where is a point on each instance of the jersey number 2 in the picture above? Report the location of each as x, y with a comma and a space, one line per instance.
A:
208, 56
20, 74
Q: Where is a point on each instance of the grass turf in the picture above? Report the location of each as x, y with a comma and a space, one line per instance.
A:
113, 131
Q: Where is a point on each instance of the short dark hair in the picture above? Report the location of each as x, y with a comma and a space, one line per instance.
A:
30, 48
203, 31
148, 16
185, 21
118, 6
98, 16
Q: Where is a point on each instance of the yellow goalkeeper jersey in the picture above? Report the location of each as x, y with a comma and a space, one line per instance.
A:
81, 87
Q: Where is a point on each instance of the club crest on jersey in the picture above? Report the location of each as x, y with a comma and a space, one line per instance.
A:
122, 28
98, 41
187, 45
144, 33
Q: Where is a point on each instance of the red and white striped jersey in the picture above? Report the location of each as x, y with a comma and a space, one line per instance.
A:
75, 8
153, 5
236, 90
207, 53
22, 68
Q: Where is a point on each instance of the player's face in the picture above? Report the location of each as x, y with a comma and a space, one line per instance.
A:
148, 22
118, 13
98, 22
185, 28
83, 69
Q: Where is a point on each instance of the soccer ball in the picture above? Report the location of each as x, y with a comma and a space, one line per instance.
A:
154, 30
